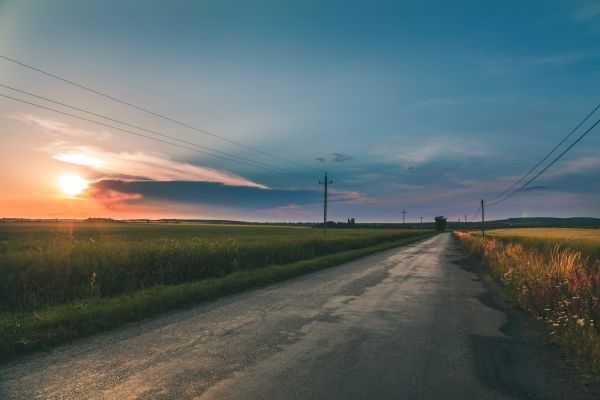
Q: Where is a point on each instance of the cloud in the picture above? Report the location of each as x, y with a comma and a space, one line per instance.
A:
436, 102
339, 157
588, 12
556, 60
509, 64
113, 199
143, 166
116, 194
58, 127
536, 188
581, 165
111, 192
437, 148
335, 157
349, 196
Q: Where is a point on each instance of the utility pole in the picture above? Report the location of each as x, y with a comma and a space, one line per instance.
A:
466, 222
326, 183
482, 219
421, 222
403, 215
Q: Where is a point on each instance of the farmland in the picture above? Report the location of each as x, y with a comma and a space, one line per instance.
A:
554, 274
62, 280
586, 241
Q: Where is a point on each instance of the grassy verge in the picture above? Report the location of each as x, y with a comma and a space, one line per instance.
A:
559, 286
27, 331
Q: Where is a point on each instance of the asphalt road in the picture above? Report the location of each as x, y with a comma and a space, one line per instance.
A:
417, 322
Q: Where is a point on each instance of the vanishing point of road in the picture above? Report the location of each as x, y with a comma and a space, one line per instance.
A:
416, 322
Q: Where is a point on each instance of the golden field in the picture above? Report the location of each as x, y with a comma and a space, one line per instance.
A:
555, 233
584, 241
554, 274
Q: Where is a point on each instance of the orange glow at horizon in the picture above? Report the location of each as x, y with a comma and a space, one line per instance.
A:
72, 185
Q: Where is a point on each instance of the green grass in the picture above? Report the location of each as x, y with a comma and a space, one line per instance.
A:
230, 259
43, 264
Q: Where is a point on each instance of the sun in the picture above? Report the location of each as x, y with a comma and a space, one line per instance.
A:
72, 185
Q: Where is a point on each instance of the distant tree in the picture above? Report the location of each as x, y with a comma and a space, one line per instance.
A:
440, 224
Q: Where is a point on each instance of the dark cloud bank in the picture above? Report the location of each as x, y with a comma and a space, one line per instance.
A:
204, 193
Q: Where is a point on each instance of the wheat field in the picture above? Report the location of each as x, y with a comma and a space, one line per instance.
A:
554, 274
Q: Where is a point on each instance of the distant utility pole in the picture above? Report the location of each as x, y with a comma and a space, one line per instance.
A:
482, 219
403, 215
326, 182
421, 222
466, 222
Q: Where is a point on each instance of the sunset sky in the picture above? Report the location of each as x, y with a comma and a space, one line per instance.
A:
427, 106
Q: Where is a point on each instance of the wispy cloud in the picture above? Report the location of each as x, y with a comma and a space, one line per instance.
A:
436, 102
588, 11
350, 196
143, 166
55, 127
437, 148
515, 63
589, 164
339, 157
335, 157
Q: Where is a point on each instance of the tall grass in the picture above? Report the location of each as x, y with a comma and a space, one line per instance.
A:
47, 265
559, 286
27, 329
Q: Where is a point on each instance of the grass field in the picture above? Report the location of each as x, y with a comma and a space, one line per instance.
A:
585, 241
554, 274
62, 280
553, 233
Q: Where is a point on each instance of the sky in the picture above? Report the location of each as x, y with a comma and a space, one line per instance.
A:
418, 105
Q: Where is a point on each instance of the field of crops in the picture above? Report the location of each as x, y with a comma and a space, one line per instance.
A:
60, 281
556, 233
53, 263
585, 241
554, 274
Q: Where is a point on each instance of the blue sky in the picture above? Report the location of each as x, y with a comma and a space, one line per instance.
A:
427, 106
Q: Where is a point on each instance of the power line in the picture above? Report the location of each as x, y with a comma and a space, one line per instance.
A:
547, 155
548, 166
154, 113
153, 131
150, 137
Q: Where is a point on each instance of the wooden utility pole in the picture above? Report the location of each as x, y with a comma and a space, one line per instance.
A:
466, 222
326, 182
421, 222
482, 219
403, 215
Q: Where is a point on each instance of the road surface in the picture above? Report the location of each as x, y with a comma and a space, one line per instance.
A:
417, 322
